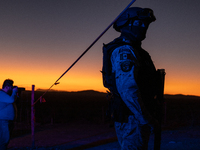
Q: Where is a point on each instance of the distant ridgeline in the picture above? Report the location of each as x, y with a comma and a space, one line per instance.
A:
181, 96
90, 105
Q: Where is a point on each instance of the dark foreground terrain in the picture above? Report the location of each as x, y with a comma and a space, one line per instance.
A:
77, 120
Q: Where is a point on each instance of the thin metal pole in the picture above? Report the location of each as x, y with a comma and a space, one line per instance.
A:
32, 117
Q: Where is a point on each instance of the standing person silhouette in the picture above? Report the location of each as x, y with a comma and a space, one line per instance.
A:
7, 114
130, 75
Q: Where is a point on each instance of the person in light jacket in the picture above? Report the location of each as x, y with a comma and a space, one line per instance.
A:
7, 114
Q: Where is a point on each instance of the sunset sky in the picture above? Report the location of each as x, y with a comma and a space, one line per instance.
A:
40, 39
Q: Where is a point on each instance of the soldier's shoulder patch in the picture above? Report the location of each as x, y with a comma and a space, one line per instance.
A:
126, 54
126, 66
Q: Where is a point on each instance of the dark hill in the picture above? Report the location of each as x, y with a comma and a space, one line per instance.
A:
89, 105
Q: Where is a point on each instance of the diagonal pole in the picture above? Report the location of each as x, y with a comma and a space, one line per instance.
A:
94, 42
56, 82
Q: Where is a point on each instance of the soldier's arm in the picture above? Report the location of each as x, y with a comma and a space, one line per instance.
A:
124, 63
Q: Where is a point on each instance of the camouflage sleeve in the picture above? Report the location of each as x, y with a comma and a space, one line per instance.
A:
123, 64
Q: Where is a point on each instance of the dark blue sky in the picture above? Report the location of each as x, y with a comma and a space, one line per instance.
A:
40, 39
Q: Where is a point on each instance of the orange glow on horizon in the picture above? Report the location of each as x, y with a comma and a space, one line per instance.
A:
69, 82
180, 85
78, 81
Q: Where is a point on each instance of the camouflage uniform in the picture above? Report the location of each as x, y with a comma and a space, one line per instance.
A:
135, 133
132, 81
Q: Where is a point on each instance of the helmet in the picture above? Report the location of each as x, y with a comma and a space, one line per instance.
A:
134, 13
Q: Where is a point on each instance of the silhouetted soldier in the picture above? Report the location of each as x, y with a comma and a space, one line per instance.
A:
130, 75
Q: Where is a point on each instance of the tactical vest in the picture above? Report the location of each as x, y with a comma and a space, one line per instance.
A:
145, 75
108, 76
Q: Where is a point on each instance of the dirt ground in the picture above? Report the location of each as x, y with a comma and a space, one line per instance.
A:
92, 136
